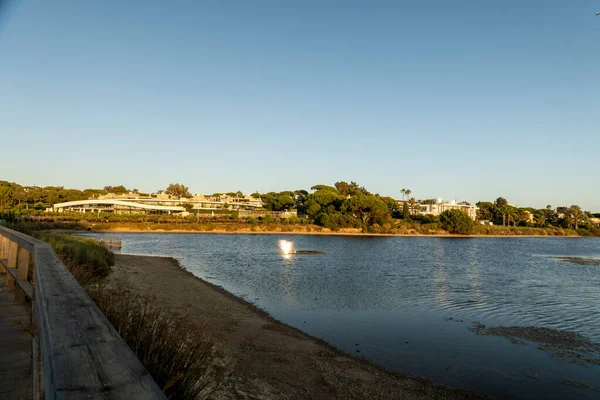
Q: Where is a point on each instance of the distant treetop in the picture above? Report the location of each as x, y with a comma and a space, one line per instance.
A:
178, 190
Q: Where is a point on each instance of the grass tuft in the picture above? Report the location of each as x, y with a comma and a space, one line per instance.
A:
182, 357
86, 260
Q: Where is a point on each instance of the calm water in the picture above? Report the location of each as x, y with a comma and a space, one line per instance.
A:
374, 294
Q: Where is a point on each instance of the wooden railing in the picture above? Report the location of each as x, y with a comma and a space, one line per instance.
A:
77, 353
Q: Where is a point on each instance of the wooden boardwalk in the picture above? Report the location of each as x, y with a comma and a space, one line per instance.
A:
16, 381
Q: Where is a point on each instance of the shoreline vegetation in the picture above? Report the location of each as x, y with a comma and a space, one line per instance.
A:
341, 208
303, 230
400, 229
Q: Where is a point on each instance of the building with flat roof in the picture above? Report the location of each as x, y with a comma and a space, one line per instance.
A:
198, 201
133, 203
115, 206
440, 206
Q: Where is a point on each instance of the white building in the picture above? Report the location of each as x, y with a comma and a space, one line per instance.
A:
198, 201
133, 203
440, 206
115, 206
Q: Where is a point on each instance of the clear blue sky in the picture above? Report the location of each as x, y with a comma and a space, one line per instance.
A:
460, 99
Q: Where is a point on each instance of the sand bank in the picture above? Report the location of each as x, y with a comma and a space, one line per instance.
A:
272, 360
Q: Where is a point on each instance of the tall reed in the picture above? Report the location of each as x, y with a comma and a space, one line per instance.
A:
182, 357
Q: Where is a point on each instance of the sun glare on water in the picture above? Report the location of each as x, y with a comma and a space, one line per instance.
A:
286, 247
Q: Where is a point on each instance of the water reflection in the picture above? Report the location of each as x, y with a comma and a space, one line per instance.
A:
441, 275
474, 274
288, 280
287, 248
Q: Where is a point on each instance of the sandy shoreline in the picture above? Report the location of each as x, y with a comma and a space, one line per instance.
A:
272, 360
217, 232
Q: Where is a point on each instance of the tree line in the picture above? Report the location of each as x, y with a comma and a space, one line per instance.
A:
343, 205
500, 212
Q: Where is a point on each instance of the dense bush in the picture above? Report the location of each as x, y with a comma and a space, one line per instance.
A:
456, 222
336, 220
293, 220
430, 219
85, 259
589, 230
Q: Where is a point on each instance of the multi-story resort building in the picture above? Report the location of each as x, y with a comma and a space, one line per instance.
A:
115, 206
438, 206
133, 203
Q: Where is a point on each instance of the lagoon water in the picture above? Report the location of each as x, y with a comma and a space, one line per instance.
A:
410, 303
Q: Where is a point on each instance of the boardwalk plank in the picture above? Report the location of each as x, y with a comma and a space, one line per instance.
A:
16, 381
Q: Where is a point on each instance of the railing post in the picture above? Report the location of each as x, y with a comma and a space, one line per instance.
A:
22, 270
13, 249
3, 247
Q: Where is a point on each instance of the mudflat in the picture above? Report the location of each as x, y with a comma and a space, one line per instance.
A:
579, 260
271, 360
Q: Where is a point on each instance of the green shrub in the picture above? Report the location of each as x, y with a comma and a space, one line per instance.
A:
456, 222
87, 260
293, 220
588, 230
268, 219
430, 219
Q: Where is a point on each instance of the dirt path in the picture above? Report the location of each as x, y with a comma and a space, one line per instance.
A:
272, 360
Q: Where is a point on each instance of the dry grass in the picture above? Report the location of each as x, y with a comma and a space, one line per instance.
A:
182, 357
86, 260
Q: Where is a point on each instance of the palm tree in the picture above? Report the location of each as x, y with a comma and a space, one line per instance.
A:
510, 215
576, 213
522, 216
408, 192
503, 210
540, 219
403, 191
413, 204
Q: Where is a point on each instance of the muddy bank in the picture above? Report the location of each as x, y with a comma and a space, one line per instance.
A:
580, 260
564, 345
272, 360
